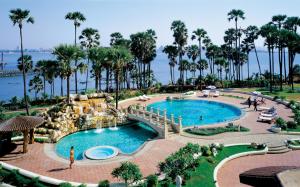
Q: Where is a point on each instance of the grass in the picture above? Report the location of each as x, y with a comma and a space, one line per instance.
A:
286, 93
214, 131
294, 142
233, 96
203, 175
297, 129
8, 115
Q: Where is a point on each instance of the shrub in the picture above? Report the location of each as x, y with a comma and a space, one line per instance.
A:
275, 98
281, 123
104, 183
291, 125
152, 181
166, 182
65, 184
292, 103
128, 171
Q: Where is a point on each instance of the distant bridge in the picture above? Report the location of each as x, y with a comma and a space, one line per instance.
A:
12, 73
156, 119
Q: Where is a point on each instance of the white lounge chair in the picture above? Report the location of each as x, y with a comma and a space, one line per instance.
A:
141, 98
262, 108
266, 119
189, 94
268, 115
206, 93
146, 97
216, 94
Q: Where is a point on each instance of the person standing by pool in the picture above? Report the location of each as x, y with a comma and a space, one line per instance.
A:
71, 157
249, 102
255, 105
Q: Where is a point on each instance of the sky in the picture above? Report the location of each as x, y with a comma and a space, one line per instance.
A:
131, 16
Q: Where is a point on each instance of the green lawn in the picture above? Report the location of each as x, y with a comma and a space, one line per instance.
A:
214, 131
285, 93
297, 129
203, 176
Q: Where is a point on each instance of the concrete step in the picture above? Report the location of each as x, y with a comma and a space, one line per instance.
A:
279, 151
277, 148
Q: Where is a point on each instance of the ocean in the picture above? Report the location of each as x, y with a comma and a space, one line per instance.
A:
12, 86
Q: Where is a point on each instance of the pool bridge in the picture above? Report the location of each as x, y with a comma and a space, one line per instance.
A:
156, 119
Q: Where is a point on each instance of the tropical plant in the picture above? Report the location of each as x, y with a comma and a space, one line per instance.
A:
172, 53
18, 17
66, 54
77, 18
119, 57
235, 15
36, 85
89, 38
180, 34
128, 171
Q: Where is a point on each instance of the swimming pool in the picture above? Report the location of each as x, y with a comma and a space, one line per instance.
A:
127, 139
192, 110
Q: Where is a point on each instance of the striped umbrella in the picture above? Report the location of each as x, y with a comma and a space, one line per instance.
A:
21, 123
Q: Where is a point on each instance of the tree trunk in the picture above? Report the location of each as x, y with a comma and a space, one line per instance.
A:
107, 80
284, 65
68, 89
76, 87
24, 74
87, 74
117, 89
270, 68
61, 87
258, 63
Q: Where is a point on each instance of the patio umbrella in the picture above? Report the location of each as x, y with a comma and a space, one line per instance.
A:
21, 124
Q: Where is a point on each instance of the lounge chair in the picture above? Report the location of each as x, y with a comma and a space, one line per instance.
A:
146, 97
266, 119
211, 87
262, 108
268, 115
188, 94
141, 98
216, 94
206, 93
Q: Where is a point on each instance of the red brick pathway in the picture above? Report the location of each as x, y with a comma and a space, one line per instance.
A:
228, 175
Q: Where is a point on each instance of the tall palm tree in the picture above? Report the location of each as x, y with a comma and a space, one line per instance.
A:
252, 33
235, 15
180, 34
89, 38
268, 32
77, 18
199, 34
172, 54
66, 54
25, 63
18, 17
98, 56
120, 57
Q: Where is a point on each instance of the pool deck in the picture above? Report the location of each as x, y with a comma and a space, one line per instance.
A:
42, 161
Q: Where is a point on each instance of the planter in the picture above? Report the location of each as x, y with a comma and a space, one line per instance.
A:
276, 129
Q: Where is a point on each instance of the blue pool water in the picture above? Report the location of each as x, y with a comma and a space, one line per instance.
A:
127, 139
191, 110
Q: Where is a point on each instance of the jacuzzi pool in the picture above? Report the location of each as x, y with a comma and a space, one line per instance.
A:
127, 139
198, 112
101, 152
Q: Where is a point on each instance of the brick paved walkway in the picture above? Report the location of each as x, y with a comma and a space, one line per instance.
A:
228, 175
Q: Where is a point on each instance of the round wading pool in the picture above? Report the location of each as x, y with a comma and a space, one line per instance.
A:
101, 152
198, 112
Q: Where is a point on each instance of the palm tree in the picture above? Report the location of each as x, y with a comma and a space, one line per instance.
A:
89, 38
180, 34
202, 65
40, 69
18, 17
120, 57
98, 56
236, 15
247, 47
199, 34
27, 61
66, 54
252, 33
172, 54
36, 85
268, 32
77, 18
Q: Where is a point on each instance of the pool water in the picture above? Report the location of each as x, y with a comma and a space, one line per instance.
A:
127, 139
192, 110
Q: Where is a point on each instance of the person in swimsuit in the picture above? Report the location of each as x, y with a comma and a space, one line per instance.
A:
71, 157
